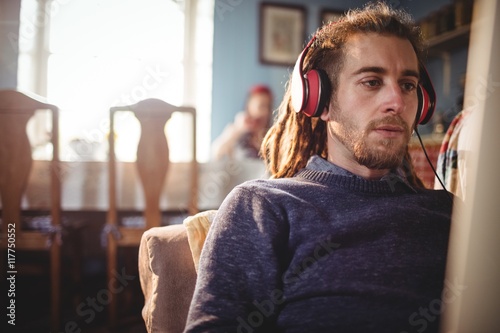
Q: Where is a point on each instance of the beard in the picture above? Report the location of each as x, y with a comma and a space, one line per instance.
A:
374, 153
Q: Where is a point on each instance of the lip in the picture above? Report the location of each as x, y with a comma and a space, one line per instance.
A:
389, 130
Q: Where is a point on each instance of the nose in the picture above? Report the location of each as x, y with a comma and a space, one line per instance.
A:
395, 102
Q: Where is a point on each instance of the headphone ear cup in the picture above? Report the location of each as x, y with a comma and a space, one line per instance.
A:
426, 98
317, 92
423, 106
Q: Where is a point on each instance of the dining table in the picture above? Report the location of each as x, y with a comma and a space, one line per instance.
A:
85, 184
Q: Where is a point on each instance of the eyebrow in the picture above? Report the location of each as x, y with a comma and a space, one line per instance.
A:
381, 70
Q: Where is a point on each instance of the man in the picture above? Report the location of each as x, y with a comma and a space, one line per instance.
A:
344, 238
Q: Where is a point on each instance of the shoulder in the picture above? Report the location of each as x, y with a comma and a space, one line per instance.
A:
269, 196
436, 193
282, 187
441, 200
271, 199
253, 210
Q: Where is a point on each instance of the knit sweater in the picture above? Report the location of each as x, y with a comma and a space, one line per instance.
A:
324, 252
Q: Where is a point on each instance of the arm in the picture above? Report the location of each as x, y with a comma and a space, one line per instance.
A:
239, 283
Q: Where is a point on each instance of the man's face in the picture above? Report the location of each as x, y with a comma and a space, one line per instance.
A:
375, 105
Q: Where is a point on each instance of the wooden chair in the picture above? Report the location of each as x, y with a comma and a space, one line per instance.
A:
16, 161
152, 166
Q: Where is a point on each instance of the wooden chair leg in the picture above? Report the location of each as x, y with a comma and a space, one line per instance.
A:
112, 263
55, 283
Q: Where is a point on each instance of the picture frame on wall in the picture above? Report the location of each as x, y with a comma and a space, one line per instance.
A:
328, 15
282, 33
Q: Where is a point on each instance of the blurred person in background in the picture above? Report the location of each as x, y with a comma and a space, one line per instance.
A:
242, 138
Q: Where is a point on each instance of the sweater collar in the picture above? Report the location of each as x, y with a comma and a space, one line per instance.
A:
319, 164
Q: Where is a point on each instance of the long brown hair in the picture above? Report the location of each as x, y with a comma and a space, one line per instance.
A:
295, 137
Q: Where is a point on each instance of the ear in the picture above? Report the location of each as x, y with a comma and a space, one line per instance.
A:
325, 115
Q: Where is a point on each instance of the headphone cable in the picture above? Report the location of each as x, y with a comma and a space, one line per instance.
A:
432, 166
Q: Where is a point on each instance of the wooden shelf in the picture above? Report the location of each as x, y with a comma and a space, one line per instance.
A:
448, 41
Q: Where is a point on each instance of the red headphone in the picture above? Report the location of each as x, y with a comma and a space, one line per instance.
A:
310, 91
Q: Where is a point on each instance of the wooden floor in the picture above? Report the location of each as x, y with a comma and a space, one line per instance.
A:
84, 302
84, 285
84, 289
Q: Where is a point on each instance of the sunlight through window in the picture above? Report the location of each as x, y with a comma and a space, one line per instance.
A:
102, 53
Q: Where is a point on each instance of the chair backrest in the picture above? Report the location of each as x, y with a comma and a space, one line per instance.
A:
16, 109
152, 157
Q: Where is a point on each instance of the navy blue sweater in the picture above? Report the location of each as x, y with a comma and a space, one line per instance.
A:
323, 252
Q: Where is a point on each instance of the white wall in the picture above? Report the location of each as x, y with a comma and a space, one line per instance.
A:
474, 257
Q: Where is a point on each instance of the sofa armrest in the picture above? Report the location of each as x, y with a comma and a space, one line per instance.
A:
167, 276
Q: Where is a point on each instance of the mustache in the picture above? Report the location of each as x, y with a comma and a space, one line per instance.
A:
389, 120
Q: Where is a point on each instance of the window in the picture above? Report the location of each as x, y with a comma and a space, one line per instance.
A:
87, 56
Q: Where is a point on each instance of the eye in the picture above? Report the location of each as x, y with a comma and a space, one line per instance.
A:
371, 83
409, 86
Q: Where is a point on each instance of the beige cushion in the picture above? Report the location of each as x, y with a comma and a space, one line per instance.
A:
167, 271
197, 228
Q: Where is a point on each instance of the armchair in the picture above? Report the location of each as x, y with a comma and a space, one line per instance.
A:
168, 261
